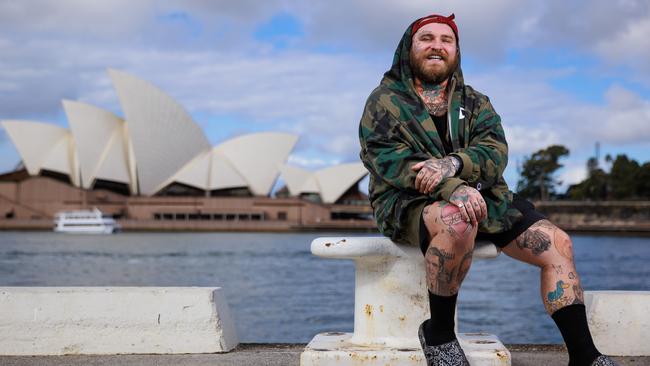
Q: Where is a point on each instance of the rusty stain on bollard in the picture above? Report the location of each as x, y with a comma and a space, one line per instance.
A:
502, 355
381, 308
483, 342
368, 309
417, 298
402, 318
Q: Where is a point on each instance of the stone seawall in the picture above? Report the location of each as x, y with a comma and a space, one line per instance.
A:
577, 216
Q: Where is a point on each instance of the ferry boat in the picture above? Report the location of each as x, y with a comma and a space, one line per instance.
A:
84, 222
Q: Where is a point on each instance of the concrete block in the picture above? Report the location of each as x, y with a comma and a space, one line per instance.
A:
336, 349
114, 320
619, 321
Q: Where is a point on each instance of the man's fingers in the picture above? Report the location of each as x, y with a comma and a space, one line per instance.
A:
471, 214
418, 166
432, 184
483, 209
418, 180
478, 212
463, 210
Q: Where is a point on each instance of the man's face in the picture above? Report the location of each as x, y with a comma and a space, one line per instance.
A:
434, 55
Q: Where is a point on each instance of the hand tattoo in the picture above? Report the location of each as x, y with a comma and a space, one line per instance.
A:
432, 172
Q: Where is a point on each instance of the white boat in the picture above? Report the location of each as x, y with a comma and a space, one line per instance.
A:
84, 222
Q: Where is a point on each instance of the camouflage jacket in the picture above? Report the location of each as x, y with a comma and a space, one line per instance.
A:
396, 131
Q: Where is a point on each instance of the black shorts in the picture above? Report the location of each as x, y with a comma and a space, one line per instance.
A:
530, 216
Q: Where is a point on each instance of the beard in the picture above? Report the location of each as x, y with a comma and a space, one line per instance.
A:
435, 74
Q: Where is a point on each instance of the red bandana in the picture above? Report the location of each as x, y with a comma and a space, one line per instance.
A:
435, 18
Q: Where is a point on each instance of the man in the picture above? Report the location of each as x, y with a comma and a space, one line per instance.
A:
436, 152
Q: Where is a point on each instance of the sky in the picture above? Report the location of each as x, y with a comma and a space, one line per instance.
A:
557, 72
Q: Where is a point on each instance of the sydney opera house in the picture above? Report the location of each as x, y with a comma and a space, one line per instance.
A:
154, 169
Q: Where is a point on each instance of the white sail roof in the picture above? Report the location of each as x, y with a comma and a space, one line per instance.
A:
164, 137
330, 182
100, 142
295, 178
258, 158
335, 180
223, 174
44, 146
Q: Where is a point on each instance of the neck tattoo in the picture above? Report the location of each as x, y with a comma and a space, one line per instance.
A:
434, 96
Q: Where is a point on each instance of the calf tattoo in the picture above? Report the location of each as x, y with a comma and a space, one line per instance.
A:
444, 273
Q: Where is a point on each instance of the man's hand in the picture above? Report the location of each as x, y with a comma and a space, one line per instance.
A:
471, 204
432, 171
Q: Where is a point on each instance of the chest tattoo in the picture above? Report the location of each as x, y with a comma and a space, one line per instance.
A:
434, 97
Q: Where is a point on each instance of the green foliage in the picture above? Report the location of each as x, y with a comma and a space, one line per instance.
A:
626, 180
643, 181
536, 180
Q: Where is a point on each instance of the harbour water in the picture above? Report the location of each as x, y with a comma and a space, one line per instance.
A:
278, 292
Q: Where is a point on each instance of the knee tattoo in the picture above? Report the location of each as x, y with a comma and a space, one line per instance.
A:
452, 218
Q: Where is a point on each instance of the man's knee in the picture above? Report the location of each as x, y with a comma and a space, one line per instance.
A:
446, 219
563, 244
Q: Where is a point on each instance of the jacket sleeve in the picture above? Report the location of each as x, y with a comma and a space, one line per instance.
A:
486, 156
389, 153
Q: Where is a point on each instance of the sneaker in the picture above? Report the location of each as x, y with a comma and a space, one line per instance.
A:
446, 354
603, 360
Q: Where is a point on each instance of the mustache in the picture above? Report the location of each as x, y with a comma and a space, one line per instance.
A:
442, 54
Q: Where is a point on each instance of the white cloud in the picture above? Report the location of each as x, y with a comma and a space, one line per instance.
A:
60, 49
311, 163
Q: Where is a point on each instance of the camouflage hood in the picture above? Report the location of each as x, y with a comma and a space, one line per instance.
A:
396, 132
400, 76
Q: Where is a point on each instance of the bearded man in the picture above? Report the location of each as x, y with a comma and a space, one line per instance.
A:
436, 153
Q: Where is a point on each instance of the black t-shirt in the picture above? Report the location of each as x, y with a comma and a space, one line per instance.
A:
441, 127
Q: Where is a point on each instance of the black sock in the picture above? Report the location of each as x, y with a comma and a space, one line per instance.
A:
439, 328
572, 321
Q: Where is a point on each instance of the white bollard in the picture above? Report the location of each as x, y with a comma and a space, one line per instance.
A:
619, 321
114, 320
390, 303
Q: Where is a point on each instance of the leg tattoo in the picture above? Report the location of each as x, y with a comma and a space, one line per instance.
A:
535, 239
444, 273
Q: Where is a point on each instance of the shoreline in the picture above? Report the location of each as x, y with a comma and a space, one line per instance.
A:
130, 226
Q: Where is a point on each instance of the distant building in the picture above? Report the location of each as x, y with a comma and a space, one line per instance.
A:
157, 165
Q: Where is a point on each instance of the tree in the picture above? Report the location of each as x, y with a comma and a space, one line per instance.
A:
536, 180
643, 181
624, 177
595, 187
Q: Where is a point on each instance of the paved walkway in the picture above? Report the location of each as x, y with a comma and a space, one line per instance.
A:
280, 355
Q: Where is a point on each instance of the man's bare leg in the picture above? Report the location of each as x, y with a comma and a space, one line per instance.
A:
448, 259
550, 248
451, 244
